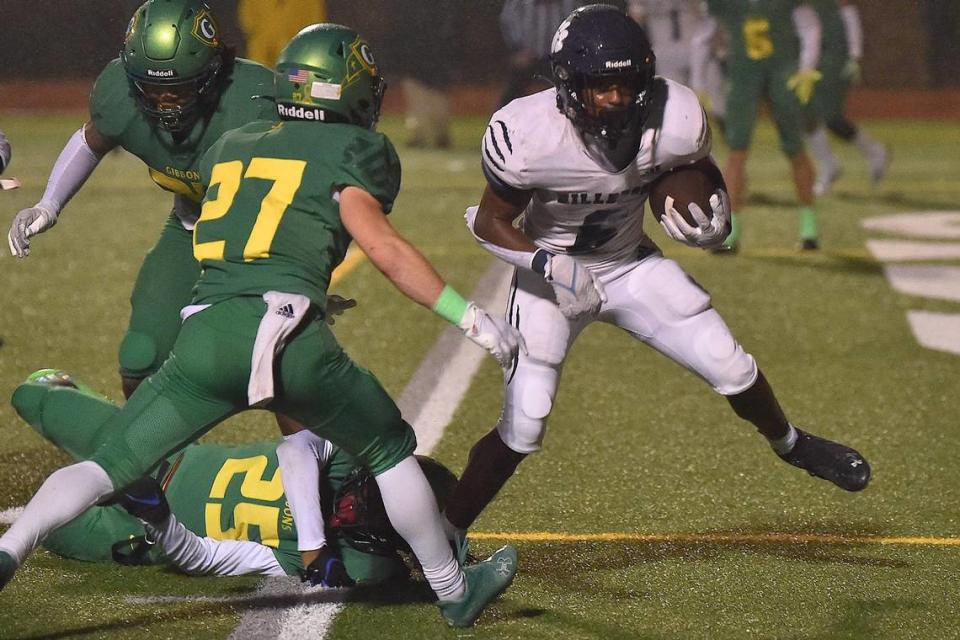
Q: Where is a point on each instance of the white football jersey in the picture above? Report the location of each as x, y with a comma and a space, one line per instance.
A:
577, 206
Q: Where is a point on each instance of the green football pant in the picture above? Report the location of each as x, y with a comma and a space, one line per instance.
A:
205, 381
748, 86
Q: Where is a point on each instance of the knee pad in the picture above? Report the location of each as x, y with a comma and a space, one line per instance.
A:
138, 355
529, 400
728, 368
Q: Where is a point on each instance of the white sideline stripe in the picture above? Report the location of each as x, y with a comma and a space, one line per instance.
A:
427, 403
8, 516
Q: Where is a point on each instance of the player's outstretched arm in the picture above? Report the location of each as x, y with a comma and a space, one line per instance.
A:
76, 162
415, 277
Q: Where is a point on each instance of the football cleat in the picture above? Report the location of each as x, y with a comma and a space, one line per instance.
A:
829, 460
8, 567
52, 378
809, 244
484, 582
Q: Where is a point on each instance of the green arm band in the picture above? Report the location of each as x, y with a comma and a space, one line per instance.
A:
450, 305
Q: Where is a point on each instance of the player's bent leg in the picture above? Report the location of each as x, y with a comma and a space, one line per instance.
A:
67, 416
164, 286
98, 534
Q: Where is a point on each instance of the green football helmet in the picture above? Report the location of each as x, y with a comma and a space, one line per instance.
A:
327, 73
172, 54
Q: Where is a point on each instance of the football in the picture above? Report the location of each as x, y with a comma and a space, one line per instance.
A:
690, 183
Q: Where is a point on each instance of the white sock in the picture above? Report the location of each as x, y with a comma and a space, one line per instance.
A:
299, 457
820, 149
412, 509
864, 143
63, 496
785, 444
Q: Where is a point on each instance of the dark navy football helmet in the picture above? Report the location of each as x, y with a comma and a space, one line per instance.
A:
595, 44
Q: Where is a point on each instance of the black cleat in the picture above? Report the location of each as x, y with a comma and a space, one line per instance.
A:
831, 461
809, 244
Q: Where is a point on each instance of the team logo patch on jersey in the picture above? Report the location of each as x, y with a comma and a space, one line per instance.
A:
205, 29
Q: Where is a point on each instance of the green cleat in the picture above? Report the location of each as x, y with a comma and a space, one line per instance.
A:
8, 567
485, 581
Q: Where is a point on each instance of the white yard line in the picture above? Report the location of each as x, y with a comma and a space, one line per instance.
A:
428, 403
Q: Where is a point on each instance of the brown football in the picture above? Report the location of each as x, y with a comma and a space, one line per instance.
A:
690, 183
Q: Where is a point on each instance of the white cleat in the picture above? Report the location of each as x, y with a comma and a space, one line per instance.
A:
878, 157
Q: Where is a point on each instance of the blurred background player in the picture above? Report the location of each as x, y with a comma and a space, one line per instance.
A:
841, 48
676, 28
175, 89
528, 27
283, 202
774, 47
5, 152
268, 25
220, 525
576, 162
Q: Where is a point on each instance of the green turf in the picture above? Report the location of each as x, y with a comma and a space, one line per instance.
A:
636, 445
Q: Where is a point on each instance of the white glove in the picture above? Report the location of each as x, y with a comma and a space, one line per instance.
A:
4, 152
708, 233
578, 292
501, 339
336, 305
27, 224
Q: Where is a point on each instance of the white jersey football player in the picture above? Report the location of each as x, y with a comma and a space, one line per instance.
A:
576, 162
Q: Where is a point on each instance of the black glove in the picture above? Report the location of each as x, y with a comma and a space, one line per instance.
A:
144, 499
327, 571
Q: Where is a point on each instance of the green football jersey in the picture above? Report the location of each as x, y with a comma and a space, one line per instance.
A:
833, 35
269, 220
173, 166
759, 30
236, 493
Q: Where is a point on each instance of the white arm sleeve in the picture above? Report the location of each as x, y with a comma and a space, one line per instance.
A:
700, 50
853, 29
522, 259
205, 556
301, 457
73, 166
807, 24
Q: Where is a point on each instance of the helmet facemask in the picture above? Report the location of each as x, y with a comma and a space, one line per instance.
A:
177, 105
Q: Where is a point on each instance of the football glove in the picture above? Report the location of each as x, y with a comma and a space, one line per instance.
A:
802, 83
336, 305
709, 232
144, 499
578, 292
4, 152
852, 71
501, 339
327, 570
28, 223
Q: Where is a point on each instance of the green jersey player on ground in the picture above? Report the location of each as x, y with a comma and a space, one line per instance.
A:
231, 495
283, 201
767, 61
841, 47
174, 90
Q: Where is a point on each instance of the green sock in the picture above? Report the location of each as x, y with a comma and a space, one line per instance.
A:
808, 223
734, 238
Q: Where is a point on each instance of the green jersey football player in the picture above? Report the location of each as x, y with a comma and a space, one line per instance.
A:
773, 51
229, 510
283, 201
174, 90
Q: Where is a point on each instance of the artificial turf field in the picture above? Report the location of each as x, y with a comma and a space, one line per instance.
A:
653, 511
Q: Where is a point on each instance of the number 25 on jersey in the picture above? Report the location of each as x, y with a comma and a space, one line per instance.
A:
286, 176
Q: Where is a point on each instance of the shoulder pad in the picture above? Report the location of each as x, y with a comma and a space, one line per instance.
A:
684, 134
513, 137
111, 105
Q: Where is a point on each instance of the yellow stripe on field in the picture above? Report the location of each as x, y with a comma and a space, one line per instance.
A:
789, 538
352, 259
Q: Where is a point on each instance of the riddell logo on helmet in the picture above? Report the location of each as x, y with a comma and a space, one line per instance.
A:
618, 64
300, 113
162, 73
